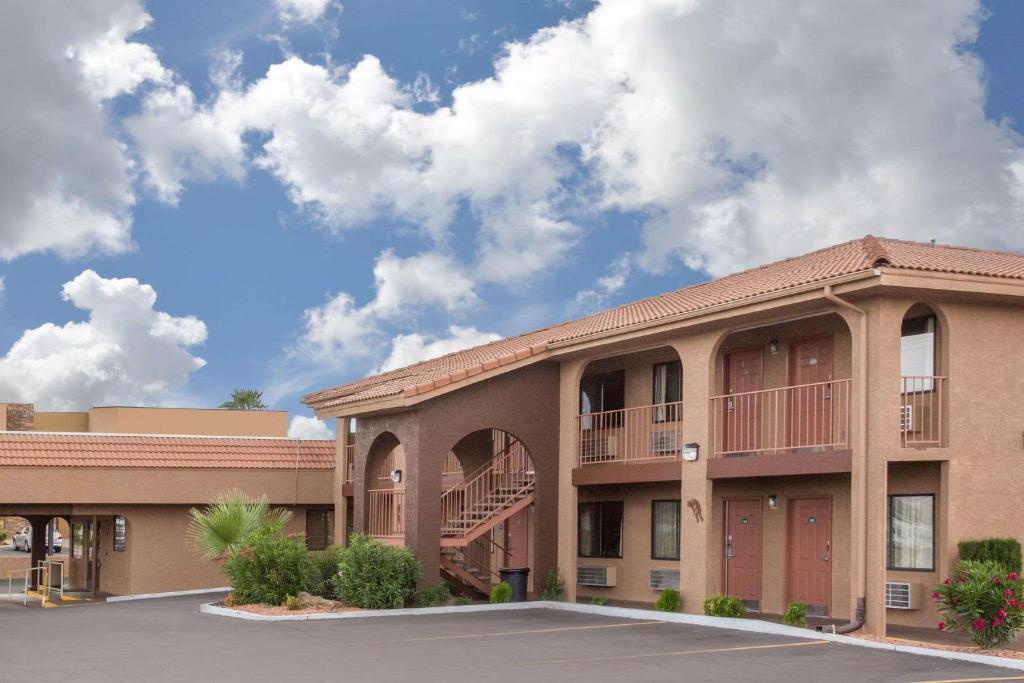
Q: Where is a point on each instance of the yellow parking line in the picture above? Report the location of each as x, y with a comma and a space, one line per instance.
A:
527, 632
679, 653
976, 680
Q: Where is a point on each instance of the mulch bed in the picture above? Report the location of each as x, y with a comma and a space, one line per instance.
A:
310, 605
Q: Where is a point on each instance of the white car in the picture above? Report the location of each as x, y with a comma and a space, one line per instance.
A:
23, 540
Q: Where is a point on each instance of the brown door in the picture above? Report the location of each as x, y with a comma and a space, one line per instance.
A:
743, 551
810, 553
517, 552
744, 373
810, 403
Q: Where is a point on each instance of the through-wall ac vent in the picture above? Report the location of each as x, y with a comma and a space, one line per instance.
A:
665, 441
902, 595
595, 576
907, 418
660, 579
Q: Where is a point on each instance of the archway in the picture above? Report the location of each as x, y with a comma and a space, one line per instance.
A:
923, 344
384, 487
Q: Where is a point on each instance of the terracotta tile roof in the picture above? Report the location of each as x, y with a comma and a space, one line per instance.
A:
847, 258
50, 449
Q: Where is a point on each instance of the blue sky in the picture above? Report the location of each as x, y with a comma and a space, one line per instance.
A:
625, 214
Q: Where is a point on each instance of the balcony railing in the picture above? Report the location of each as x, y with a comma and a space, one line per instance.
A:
386, 513
630, 435
350, 463
921, 410
807, 416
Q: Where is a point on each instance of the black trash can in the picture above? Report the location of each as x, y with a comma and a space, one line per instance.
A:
516, 578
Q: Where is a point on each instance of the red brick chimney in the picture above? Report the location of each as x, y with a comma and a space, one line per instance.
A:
20, 417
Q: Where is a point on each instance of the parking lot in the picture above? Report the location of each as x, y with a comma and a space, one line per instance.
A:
168, 640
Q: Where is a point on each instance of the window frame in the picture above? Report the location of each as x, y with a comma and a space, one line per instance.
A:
679, 528
600, 529
123, 546
603, 421
665, 414
889, 543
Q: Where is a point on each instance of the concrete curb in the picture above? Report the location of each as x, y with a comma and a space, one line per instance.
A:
748, 625
170, 594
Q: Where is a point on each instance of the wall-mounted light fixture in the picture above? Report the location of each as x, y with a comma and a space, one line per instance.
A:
773, 346
691, 452
773, 502
396, 476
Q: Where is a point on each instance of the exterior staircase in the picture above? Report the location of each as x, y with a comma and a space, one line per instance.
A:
474, 506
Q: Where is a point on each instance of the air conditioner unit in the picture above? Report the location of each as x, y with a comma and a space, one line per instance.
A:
660, 579
596, 448
902, 595
907, 418
665, 441
595, 576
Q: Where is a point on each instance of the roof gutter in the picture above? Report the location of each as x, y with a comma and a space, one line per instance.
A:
861, 463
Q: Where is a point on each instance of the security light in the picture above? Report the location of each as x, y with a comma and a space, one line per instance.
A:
773, 502
691, 452
396, 476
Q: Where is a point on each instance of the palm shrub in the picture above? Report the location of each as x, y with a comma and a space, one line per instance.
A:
982, 600
796, 615
724, 606
668, 601
554, 586
1005, 551
269, 568
501, 593
220, 527
434, 596
376, 576
326, 565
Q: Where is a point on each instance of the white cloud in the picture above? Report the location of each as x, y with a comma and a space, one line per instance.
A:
407, 349
304, 427
69, 188
126, 352
301, 11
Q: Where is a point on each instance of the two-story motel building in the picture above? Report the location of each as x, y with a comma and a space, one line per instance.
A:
822, 429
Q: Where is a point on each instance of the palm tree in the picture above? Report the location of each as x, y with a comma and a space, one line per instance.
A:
245, 399
223, 526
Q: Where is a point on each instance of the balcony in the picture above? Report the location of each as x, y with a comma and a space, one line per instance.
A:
785, 424
646, 435
921, 406
386, 515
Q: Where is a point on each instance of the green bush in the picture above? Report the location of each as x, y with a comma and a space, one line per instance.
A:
1005, 551
796, 615
554, 586
326, 565
462, 601
598, 601
269, 568
435, 596
668, 601
501, 593
293, 602
376, 576
724, 606
3, 535
984, 601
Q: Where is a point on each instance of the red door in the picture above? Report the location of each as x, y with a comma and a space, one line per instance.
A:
744, 373
810, 552
517, 534
810, 402
743, 551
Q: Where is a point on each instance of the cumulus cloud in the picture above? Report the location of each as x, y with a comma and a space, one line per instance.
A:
125, 353
301, 11
70, 185
407, 349
738, 133
305, 427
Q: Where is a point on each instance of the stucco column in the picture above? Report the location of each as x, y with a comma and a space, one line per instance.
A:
38, 546
568, 408
697, 578
341, 427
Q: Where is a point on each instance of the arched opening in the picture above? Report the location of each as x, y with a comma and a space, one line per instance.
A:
487, 511
922, 377
630, 408
384, 482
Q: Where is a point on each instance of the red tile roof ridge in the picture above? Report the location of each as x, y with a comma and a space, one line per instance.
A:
133, 435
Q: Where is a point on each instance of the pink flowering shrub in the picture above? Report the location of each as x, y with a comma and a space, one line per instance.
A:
983, 600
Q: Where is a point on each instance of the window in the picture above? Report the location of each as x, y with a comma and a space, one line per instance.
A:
120, 534
601, 393
917, 350
600, 529
912, 532
319, 528
665, 529
668, 388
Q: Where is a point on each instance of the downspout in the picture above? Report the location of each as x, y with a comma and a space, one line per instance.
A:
862, 457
